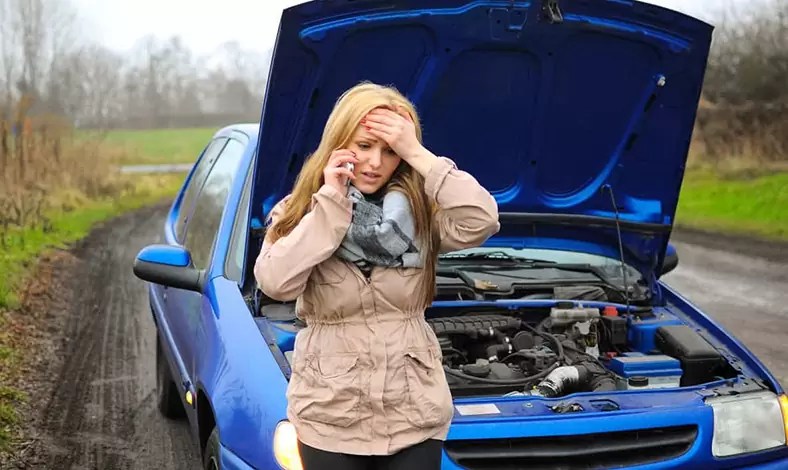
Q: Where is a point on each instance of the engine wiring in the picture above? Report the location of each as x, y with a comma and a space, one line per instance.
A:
522, 381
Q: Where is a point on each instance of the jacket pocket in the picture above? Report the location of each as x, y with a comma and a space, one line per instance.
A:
429, 398
330, 390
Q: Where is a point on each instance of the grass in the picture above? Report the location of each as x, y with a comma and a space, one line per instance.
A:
735, 203
160, 146
26, 245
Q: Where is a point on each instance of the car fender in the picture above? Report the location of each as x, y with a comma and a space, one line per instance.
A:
719, 337
239, 376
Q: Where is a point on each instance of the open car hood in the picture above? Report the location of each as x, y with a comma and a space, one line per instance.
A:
559, 108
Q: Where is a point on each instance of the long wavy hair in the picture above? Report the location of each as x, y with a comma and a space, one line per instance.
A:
350, 108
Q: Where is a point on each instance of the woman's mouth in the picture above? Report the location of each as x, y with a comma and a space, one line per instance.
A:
370, 176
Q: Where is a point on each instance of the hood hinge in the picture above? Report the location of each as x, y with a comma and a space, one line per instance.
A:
552, 11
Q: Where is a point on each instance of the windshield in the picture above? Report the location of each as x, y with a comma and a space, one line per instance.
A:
611, 267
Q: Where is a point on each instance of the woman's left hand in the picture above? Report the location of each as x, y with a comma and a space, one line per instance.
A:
398, 130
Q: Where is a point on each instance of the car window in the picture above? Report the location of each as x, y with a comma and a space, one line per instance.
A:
204, 164
235, 256
204, 223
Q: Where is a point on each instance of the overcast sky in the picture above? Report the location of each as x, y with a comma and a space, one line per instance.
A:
205, 24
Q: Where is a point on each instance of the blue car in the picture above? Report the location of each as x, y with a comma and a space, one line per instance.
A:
562, 347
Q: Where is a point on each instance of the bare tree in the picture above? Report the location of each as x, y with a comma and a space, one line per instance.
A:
34, 36
45, 57
749, 58
10, 40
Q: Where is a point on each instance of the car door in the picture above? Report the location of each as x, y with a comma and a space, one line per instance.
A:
174, 234
200, 229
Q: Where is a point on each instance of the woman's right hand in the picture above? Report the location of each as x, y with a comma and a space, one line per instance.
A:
335, 174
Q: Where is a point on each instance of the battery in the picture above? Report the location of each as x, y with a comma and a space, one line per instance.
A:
662, 371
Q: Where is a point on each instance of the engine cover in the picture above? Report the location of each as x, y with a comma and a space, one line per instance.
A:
473, 325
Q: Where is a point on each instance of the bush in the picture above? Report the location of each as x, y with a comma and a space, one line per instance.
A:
44, 166
743, 117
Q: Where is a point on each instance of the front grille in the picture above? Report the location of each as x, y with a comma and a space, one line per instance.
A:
577, 452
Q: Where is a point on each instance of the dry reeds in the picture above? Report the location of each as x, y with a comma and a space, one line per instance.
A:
46, 165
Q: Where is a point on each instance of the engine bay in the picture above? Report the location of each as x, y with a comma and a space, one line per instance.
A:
572, 349
555, 350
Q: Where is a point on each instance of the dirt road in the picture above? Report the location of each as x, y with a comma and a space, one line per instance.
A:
93, 405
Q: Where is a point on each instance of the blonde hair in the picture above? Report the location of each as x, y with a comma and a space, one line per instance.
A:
350, 108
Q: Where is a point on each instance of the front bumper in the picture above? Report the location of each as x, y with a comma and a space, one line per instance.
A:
780, 464
501, 438
774, 460
768, 460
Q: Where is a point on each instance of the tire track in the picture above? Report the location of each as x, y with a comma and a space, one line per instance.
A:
95, 404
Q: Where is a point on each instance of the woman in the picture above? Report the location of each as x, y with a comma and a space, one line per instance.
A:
357, 249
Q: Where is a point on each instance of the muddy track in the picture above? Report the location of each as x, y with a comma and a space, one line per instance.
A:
92, 402
93, 406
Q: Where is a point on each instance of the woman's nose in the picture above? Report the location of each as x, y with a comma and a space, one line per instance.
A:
375, 158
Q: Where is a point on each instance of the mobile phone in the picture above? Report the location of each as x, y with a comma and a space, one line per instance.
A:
351, 167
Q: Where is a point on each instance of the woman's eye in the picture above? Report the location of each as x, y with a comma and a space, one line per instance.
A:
363, 146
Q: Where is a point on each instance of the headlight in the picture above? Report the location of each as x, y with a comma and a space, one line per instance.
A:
746, 423
286, 446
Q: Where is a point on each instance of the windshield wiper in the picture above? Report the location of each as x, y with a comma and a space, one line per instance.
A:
462, 272
490, 256
582, 268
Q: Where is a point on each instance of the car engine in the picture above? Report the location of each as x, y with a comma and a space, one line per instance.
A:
571, 349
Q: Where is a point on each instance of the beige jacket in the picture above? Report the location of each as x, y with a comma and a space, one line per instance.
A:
367, 375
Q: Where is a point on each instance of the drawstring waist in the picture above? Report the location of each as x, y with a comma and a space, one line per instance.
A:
327, 320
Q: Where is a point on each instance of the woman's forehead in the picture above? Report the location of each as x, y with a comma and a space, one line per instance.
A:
361, 132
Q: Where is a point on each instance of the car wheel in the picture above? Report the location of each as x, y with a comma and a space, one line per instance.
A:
211, 457
168, 398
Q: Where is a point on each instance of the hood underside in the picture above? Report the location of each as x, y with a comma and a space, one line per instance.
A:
559, 108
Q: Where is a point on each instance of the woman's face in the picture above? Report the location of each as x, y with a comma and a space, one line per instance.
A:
376, 161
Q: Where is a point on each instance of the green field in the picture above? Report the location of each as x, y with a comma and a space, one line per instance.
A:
741, 205
161, 145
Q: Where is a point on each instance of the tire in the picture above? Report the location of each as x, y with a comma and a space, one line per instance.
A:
167, 396
210, 460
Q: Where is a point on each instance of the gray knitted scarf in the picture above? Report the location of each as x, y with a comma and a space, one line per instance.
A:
381, 232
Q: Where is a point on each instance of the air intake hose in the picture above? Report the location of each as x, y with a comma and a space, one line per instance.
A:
586, 375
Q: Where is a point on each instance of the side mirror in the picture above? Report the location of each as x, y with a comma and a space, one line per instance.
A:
671, 259
168, 265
